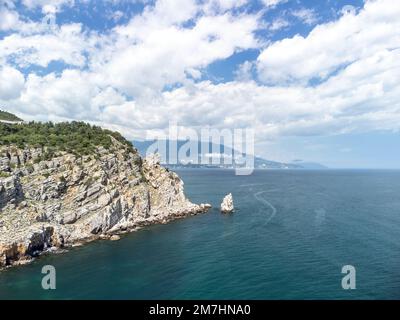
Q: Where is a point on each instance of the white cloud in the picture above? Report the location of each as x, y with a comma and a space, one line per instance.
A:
49, 9
244, 71
332, 45
363, 97
66, 43
117, 15
273, 3
154, 50
48, 6
278, 24
117, 79
8, 19
12, 21
221, 6
308, 16
138, 59
11, 83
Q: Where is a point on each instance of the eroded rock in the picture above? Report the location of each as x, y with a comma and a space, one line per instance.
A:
70, 200
227, 204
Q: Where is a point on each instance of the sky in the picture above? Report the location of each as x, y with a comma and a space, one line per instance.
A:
316, 80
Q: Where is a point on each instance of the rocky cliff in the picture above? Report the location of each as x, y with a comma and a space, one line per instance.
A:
69, 199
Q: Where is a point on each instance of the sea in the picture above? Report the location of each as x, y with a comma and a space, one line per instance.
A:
291, 236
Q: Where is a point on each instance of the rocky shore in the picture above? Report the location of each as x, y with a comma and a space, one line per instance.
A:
70, 199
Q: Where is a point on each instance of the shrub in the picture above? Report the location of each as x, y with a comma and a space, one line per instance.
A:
4, 174
78, 138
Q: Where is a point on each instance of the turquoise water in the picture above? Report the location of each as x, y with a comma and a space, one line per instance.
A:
289, 238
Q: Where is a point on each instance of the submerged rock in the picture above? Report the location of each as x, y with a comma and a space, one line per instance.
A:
227, 204
205, 206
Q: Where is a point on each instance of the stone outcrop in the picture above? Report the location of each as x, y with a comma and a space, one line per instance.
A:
70, 199
227, 204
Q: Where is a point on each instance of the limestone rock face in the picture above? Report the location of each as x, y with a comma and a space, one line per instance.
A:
227, 204
70, 199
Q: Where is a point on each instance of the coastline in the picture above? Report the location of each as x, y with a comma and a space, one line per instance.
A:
199, 209
69, 199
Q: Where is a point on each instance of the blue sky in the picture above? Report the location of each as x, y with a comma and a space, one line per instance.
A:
317, 80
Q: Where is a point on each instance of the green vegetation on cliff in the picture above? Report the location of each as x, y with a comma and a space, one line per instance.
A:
7, 116
74, 137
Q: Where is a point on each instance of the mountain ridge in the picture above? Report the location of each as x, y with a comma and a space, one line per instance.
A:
259, 162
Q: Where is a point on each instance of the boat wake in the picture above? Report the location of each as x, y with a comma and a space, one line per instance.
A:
259, 197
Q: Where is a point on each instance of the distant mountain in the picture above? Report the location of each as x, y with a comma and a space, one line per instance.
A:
225, 154
309, 165
260, 163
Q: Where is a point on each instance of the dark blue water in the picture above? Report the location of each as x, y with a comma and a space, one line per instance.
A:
290, 236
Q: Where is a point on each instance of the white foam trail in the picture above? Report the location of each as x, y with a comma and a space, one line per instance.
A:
249, 186
252, 184
257, 196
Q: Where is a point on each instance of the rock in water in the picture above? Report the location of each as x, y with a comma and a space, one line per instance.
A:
227, 204
115, 237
